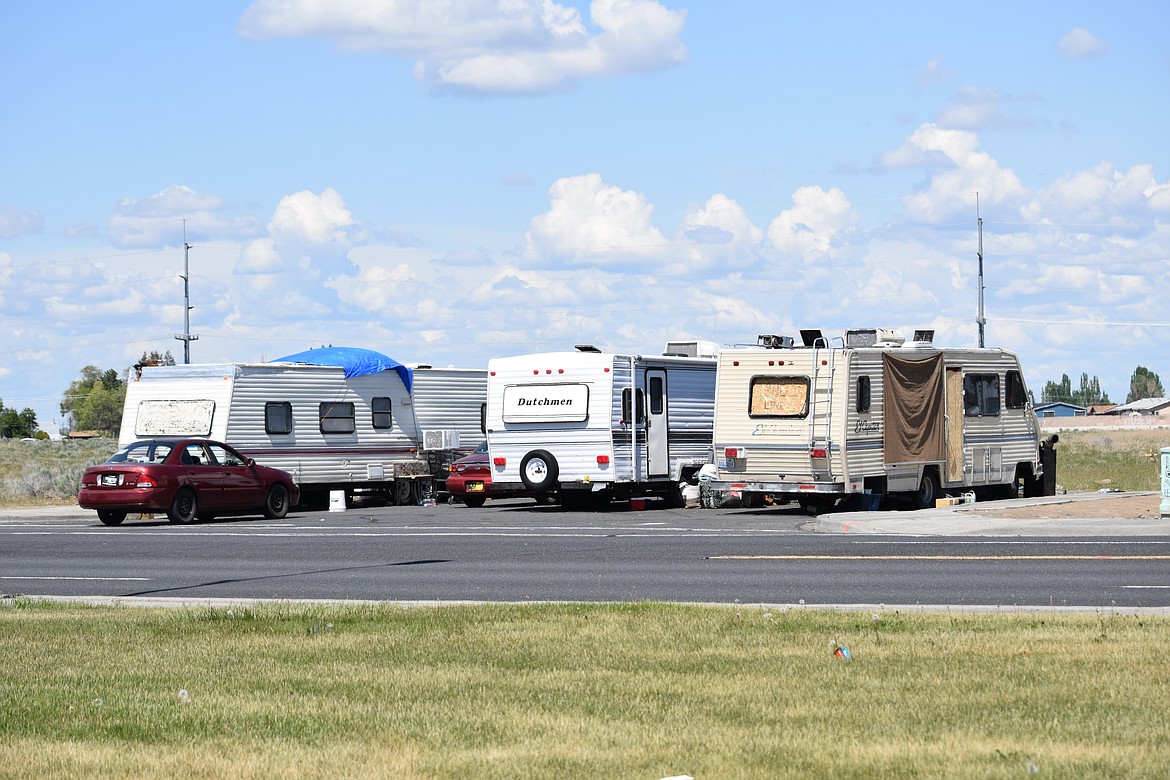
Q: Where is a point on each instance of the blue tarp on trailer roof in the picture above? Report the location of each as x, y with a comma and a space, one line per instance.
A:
355, 361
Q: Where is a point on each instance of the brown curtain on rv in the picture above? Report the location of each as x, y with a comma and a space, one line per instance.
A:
913, 408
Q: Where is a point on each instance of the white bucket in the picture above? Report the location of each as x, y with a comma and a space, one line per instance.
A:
336, 500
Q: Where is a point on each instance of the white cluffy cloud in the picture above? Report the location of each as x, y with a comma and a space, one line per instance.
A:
589, 223
1078, 43
816, 216
488, 45
159, 220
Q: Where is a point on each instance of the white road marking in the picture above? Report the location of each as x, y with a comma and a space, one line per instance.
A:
85, 579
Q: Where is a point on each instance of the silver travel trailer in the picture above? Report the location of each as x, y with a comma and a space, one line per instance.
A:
335, 418
869, 416
588, 426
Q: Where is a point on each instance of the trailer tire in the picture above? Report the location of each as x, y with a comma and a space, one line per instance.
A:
539, 471
927, 490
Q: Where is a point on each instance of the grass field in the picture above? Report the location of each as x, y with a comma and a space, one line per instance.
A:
577, 691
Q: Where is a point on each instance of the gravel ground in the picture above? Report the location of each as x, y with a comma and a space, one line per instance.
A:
1126, 506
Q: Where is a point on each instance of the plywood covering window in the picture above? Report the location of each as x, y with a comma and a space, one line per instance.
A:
380, 409
278, 417
778, 396
337, 417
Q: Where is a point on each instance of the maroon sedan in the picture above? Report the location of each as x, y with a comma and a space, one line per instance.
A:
187, 479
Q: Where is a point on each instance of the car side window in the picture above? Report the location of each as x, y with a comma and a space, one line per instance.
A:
193, 455
224, 456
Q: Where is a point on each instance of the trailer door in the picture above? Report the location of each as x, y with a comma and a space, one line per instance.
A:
657, 441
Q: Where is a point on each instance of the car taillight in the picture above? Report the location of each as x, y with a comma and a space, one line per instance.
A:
146, 482
452, 467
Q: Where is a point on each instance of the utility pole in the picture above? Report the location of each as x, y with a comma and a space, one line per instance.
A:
982, 320
186, 336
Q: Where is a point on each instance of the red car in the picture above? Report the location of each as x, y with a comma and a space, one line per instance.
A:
186, 479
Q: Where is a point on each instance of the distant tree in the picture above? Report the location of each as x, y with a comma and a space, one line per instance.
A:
1144, 384
94, 402
17, 425
1088, 394
1055, 392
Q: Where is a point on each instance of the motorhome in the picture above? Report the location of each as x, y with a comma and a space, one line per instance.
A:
336, 418
870, 416
588, 426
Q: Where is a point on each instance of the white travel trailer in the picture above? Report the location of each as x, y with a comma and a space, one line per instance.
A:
870, 416
589, 426
335, 418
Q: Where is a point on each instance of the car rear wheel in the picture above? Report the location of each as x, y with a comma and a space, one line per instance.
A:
475, 502
276, 506
184, 507
111, 516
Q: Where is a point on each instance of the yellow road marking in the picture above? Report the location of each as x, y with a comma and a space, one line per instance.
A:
940, 557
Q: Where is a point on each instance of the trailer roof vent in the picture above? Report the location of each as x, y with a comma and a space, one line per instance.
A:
924, 337
774, 342
703, 349
813, 338
873, 337
587, 348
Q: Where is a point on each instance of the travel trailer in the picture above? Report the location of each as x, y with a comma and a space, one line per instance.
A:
589, 427
871, 416
336, 418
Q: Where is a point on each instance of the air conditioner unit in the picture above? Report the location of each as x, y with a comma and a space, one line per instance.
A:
444, 439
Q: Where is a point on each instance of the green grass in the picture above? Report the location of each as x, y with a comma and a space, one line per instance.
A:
1125, 460
577, 691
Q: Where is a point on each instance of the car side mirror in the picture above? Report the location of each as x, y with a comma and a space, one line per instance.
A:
249, 462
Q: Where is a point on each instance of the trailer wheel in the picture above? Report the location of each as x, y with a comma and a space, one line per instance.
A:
539, 471
927, 490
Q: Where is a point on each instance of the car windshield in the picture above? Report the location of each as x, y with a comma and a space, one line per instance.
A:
142, 452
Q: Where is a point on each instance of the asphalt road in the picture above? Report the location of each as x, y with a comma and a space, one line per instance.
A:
517, 551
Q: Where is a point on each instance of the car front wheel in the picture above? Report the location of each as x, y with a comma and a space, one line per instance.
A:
111, 516
184, 507
276, 506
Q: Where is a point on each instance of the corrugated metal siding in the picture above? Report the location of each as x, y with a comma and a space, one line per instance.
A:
451, 398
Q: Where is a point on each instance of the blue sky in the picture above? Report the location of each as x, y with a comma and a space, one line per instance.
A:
448, 183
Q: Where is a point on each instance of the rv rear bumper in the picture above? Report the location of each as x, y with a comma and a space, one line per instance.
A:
786, 488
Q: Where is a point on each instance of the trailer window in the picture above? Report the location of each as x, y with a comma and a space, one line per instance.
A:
278, 417
1016, 395
337, 417
981, 395
863, 394
657, 394
626, 405
380, 410
778, 396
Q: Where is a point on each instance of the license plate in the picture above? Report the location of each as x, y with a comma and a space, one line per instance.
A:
474, 487
109, 480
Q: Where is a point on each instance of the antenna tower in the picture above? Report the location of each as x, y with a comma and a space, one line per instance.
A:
186, 336
982, 320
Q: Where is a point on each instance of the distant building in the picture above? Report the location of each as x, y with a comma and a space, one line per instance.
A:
1144, 406
1060, 409
1095, 409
